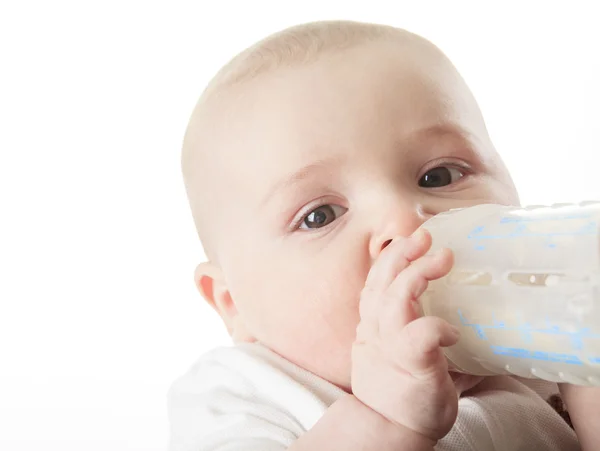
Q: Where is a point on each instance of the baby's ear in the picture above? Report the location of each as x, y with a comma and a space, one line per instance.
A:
211, 285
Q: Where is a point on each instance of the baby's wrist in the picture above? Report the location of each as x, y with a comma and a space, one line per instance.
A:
391, 432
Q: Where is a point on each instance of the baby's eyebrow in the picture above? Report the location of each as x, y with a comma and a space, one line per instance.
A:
287, 182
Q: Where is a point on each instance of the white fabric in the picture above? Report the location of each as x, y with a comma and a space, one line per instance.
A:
247, 398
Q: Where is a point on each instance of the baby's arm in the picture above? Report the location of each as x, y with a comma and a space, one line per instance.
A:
403, 397
349, 425
583, 404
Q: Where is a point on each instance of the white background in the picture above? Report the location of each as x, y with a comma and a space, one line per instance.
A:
98, 312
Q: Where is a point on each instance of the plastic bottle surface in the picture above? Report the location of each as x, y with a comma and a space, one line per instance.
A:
524, 290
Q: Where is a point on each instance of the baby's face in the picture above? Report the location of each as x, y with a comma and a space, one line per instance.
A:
327, 162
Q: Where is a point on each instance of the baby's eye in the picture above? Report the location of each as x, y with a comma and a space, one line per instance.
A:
322, 216
440, 176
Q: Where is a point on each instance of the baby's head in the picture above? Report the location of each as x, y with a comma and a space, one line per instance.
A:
305, 156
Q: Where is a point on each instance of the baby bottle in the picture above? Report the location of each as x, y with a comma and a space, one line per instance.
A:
524, 290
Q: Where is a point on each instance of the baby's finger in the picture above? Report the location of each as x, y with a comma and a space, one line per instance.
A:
464, 382
395, 258
419, 346
409, 285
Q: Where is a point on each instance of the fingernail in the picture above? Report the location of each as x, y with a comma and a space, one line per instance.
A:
418, 234
455, 330
438, 253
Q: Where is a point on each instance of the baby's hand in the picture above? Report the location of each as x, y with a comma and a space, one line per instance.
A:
398, 367
584, 411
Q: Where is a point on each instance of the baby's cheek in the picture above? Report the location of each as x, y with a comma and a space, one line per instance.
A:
317, 295
330, 301
306, 309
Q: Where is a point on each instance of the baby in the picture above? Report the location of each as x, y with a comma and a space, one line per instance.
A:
310, 163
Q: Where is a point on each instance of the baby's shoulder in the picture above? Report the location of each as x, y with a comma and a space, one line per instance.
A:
253, 369
242, 392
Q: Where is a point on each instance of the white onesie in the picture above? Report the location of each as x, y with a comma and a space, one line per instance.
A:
247, 398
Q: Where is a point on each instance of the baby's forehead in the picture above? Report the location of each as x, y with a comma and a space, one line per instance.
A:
328, 104
292, 116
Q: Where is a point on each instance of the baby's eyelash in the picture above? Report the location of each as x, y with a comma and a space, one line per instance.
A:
451, 163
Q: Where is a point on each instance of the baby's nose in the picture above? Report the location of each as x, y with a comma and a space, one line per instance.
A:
403, 222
